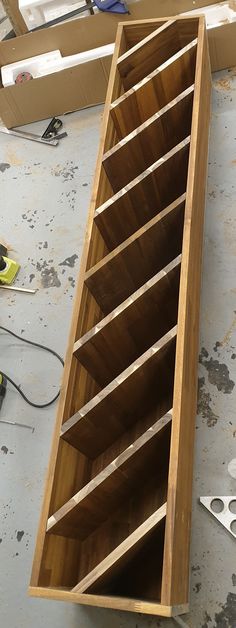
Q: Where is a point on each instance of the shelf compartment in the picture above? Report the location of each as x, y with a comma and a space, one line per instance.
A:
152, 139
95, 502
155, 91
139, 503
116, 559
144, 197
122, 402
136, 324
156, 48
138, 258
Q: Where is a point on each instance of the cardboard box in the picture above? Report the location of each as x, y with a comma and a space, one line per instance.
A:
86, 84
162, 6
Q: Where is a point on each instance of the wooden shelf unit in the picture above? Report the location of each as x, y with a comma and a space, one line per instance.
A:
115, 524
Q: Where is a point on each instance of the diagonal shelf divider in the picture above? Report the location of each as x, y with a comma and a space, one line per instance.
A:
144, 197
137, 259
161, 86
158, 46
132, 327
93, 503
148, 142
121, 400
121, 552
141, 59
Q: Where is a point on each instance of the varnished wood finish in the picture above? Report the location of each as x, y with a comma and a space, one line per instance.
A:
122, 552
115, 525
148, 96
124, 400
82, 513
145, 196
154, 50
118, 339
138, 258
150, 141
177, 540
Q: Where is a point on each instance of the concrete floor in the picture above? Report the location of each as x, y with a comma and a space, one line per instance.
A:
45, 195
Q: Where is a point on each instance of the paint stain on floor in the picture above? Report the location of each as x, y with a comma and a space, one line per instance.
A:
227, 617
4, 166
19, 535
69, 261
49, 278
204, 404
218, 373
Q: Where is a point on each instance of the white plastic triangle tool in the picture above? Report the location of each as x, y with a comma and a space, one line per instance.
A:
223, 508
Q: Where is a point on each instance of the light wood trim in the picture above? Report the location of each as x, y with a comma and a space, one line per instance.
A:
118, 603
114, 466
142, 46
120, 552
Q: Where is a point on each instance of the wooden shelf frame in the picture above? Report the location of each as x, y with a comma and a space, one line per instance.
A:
99, 521
114, 478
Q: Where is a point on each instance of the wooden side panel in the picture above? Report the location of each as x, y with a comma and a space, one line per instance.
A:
177, 539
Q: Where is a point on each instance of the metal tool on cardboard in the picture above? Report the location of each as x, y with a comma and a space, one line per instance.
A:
52, 129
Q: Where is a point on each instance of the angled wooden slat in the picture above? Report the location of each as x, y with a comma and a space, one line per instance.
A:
135, 33
152, 139
136, 324
103, 419
149, 53
130, 208
154, 49
93, 503
155, 91
122, 551
138, 258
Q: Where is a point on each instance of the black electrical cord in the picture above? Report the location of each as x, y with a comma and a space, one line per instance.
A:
35, 344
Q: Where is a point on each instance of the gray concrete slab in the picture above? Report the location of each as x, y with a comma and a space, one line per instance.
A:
45, 195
